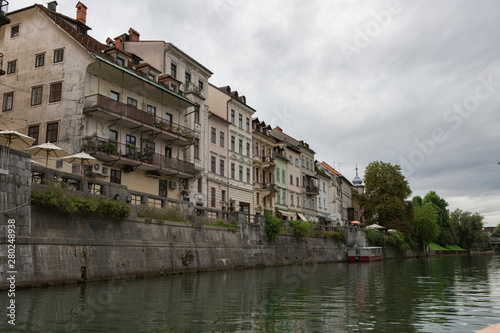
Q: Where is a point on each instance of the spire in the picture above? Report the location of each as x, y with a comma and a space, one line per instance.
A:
357, 181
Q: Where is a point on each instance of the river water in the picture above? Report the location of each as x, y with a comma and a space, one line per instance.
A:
454, 294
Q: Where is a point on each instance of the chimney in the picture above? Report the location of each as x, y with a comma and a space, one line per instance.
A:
52, 6
81, 12
133, 35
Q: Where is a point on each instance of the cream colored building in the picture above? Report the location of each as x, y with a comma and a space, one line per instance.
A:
334, 203
190, 78
81, 94
263, 167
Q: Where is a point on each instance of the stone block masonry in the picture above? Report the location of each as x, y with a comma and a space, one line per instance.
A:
52, 248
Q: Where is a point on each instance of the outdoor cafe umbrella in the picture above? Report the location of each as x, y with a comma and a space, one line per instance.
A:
375, 226
9, 123
16, 139
82, 159
355, 222
48, 150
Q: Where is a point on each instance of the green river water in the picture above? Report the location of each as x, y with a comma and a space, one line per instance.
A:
448, 294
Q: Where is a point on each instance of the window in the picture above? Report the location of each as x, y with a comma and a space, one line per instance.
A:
36, 95
59, 55
258, 199
131, 102
283, 176
291, 199
248, 149
52, 132
278, 197
303, 163
114, 96
113, 135
296, 162
256, 175
11, 67
168, 118
307, 163
120, 61
212, 199
248, 176
222, 139
33, 131
232, 143
168, 152
324, 187
197, 114
173, 69
214, 135
188, 77
298, 200
212, 164
303, 181
278, 175
232, 171
291, 180
197, 148
240, 147
55, 92
151, 76
14, 31
257, 149
40, 60
223, 196
151, 110
200, 185
200, 84
290, 159
130, 148
232, 117
240, 121
162, 188
248, 125
116, 176
222, 167
240, 174
8, 101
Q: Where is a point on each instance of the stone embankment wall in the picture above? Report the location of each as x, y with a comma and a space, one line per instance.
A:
54, 248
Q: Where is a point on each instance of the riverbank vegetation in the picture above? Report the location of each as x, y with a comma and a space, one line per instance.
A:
416, 222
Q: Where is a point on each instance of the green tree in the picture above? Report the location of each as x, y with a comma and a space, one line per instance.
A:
468, 227
496, 231
446, 236
386, 194
424, 228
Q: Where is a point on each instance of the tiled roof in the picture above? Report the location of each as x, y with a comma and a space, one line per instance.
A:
330, 168
86, 41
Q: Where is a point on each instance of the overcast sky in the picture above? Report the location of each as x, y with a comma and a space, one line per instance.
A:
414, 83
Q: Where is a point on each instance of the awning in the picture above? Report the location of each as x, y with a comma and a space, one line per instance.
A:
286, 213
302, 217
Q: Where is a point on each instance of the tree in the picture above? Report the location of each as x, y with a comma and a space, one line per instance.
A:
468, 227
424, 228
496, 231
446, 236
386, 191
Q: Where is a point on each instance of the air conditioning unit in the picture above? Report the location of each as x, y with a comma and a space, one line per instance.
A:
173, 184
97, 169
105, 170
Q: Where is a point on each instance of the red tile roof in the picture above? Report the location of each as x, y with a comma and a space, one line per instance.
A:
330, 168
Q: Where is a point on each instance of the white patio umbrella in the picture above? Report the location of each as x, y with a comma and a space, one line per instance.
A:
375, 226
82, 159
48, 150
16, 139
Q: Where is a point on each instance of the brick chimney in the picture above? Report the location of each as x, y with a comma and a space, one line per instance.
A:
133, 35
81, 12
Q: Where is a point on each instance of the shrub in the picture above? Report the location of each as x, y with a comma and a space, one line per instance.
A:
374, 237
166, 214
273, 226
302, 228
69, 203
337, 236
221, 223
397, 242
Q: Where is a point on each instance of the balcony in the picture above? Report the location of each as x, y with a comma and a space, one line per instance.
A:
312, 190
264, 162
190, 87
130, 156
265, 188
2, 72
131, 116
4, 8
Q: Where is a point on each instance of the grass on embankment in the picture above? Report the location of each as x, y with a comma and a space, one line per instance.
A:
434, 246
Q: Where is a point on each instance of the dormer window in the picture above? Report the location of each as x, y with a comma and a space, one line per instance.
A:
151, 76
120, 61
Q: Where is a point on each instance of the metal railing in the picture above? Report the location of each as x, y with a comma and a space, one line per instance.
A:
96, 102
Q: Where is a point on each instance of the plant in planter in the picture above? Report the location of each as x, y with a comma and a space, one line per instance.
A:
89, 142
184, 193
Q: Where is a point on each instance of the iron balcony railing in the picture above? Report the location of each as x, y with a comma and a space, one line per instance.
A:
99, 102
138, 155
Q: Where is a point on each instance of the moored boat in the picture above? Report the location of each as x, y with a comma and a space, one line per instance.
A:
365, 254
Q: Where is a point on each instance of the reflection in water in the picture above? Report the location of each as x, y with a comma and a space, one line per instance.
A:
456, 294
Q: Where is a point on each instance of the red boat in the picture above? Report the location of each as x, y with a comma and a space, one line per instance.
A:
365, 254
